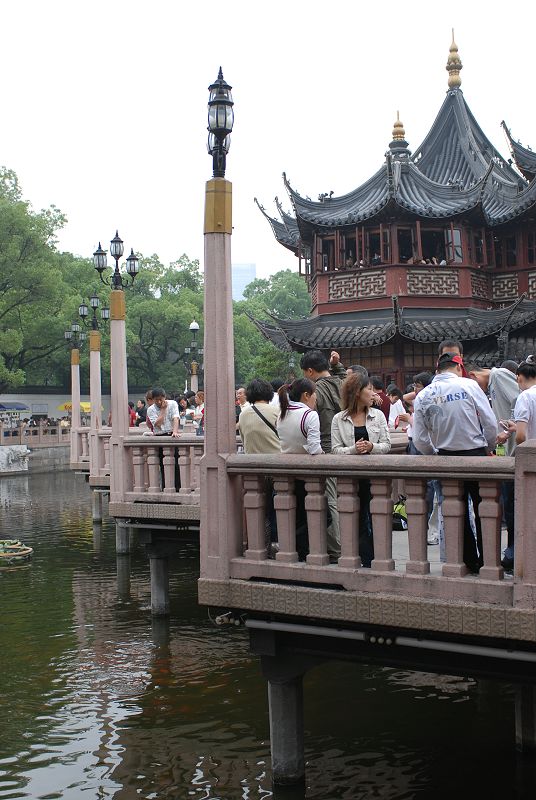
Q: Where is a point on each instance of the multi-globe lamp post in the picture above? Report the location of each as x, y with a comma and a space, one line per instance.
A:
191, 354
118, 282
75, 337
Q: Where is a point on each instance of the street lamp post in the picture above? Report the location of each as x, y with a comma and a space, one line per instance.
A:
191, 354
95, 390
118, 281
75, 337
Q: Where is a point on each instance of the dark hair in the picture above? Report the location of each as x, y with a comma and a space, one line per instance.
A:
424, 378
447, 343
141, 401
351, 389
510, 365
359, 368
377, 382
131, 403
314, 359
394, 391
446, 361
276, 384
189, 394
294, 392
157, 391
258, 389
527, 369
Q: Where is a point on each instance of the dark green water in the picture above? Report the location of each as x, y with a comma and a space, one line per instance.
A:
99, 701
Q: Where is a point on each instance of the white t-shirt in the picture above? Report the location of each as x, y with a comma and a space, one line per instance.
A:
395, 410
525, 410
172, 412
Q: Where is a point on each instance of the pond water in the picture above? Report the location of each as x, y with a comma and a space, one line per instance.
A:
101, 701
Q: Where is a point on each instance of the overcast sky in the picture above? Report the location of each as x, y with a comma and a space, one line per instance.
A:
104, 104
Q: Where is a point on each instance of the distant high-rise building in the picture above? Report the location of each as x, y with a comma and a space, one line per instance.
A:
242, 275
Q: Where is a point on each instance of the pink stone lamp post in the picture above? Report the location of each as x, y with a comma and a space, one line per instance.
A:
118, 354
75, 337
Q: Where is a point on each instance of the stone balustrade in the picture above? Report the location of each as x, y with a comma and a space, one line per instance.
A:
99, 457
35, 436
80, 448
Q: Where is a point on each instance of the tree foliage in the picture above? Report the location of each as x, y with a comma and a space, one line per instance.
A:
41, 289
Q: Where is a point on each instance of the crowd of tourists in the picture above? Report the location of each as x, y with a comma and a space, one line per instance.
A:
460, 410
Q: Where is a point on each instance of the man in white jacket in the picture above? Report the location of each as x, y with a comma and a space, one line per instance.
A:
453, 417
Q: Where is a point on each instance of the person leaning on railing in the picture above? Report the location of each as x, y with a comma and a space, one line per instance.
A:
298, 427
360, 429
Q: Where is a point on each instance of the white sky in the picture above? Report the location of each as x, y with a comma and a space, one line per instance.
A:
104, 104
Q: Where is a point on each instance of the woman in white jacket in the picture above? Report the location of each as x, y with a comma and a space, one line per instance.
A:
358, 430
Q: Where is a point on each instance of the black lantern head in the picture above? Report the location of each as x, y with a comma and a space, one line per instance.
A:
75, 327
68, 335
133, 264
116, 247
83, 310
94, 301
220, 123
105, 313
99, 259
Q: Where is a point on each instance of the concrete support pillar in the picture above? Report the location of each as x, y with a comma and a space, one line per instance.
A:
123, 577
123, 539
95, 397
159, 565
96, 506
285, 698
97, 537
526, 718
119, 391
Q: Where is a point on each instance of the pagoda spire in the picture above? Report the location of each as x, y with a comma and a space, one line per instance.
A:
398, 129
454, 65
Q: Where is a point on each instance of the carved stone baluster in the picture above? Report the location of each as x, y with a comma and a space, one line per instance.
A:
316, 506
169, 469
285, 507
255, 508
381, 509
197, 455
453, 516
184, 467
138, 463
85, 449
106, 447
417, 511
153, 464
348, 505
490, 512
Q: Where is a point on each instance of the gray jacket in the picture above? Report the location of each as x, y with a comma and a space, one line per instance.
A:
342, 433
503, 391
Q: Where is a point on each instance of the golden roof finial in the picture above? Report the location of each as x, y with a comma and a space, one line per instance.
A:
398, 129
454, 65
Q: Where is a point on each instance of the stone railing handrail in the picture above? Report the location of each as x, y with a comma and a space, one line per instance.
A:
411, 577
35, 435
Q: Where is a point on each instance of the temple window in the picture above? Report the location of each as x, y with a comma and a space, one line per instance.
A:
350, 252
478, 247
405, 245
453, 242
511, 251
373, 247
328, 254
531, 243
386, 246
433, 244
498, 251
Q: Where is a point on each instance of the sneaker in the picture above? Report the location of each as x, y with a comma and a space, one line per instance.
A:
433, 540
507, 564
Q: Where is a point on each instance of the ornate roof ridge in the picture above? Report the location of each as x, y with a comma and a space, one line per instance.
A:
524, 157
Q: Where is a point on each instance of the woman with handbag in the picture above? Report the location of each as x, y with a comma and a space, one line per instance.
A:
358, 430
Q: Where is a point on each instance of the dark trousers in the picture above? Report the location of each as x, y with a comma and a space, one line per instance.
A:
472, 550
177, 470
507, 497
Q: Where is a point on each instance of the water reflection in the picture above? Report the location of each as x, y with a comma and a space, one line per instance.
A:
100, 700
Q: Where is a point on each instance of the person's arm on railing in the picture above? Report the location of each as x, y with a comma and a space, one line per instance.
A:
175, 422
487, 419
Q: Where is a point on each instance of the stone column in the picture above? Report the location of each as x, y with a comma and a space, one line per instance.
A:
122, 538
119, 391
96, 505
95, 397
194, 378
159, 567
123, 576
526, 718
75, 405
220, 538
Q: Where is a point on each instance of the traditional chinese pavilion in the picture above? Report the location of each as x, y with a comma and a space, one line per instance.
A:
437, 244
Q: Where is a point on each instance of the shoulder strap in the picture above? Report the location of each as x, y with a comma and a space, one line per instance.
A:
258, 413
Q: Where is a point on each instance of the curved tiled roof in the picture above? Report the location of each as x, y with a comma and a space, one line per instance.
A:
524, 157
455, 170
286, 234
360, 329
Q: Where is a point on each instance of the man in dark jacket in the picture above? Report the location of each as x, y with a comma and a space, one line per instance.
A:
379, 388
328, 377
